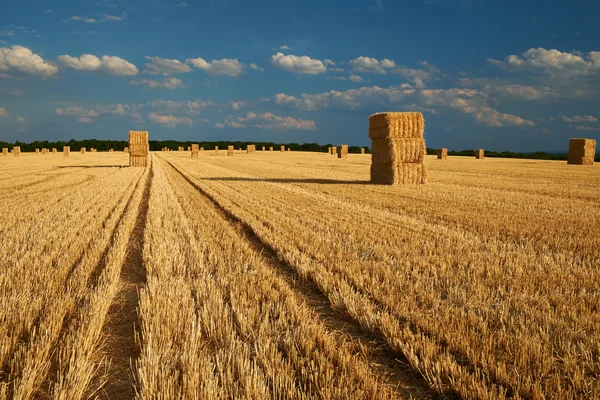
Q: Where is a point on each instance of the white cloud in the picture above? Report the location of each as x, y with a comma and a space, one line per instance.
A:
284, 47
355, 78
329, 62
86, 115
190, 107
109, 65
21, 120
78, 111
169, 120
580, 118
85, 120
268, 120
104, 18
167, 83
84, 19
256, 67
163, 66
18, 60
225, 66
552, 62
299, 65
219, 125
418, 76
372, 65
3, 112
236, 105
502, 89
586, 128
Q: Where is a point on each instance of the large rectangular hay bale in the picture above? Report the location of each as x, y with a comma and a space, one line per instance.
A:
410, 150
230, 150
82, 150
264, 148
396, 125
442, 153
37, 151
581, 151
270, 148
66, 150
333, 150
139, 148
480, 154
194, 150
342, 151
54, 151
126, 150
398, 173
282, 149
17, 151
5, 151
362, 150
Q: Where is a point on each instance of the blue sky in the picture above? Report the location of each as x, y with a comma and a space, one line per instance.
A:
500, 75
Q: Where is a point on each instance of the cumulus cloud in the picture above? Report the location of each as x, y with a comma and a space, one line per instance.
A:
77, 111
552, 62
85, 120
108, 65
355, 78
104, 18
3, 112
284, 47
21, 120
163, 66
299, 65
256, 67
18, 60
586, 128
500, 89
268, 120
84, 19
236, 105
219, 125
190, 107
580, 118
225, 66
86, 115
371, 65
167, 83
169, 120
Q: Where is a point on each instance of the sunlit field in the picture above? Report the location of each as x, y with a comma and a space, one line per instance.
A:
289, 275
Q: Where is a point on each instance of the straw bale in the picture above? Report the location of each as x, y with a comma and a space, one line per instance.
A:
189, 148
17, 151
442, 153
398, 173
5, 151
126, 150
342, 151
138, 161
194, 150
333, 150
216, 148
230, 150
139, 148
264, 148
270, 148
37, 151
82, 150
581, 151
54, 150
66, 150
411, 150
396, 125
282, 149
201, 148
110, 150
362, 150
480, 154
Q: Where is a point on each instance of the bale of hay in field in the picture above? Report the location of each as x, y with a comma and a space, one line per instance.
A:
110, 150
194, 150
289, 149
397, 148
442, 153
342, 151
44, 151
82, 150
37, 151
334, 150
126, 150
216, 148
139, 148
479, 154
264, 148
54, 151
581, 151
251, 148
189, 148
66, 150
5, 151
282, 149
362, 150
230, 150
270, 148
17, 151
201, 148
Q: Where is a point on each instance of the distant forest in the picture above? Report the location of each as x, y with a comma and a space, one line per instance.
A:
157, 145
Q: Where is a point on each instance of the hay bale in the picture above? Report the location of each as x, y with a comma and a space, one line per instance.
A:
282, 149
5, 151
334, 150
230, 150
362, 150
54, 151
194, 150
82, 150
139, 148
110, 150
442, 153
44, 151
342, 151
37, 151
581, 151
217, 149
264, 148
397, 148
201, 148
126, 150
66, 150
17, 151
189, 148
396, 125
270, 148
251, 148
479, 154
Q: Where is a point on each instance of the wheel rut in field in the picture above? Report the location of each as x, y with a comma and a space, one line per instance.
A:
122, 322
382, 359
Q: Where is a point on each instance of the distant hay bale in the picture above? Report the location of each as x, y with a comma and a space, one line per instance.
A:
110, 150
194, 150
442, 153
282, 149
37, 151
251, 148
329, 150
479, 154
362, 150
342, 151
17, 151
264, 148
5, 151
334, 150
217, 149
189, 148
139, 148
66, 150
201, 148
82, 150
270, 148
44, 151
581, 151
288, 149
54, 151
126, 150
230, 150
397, 148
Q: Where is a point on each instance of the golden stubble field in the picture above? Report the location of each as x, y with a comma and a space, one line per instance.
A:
288, 275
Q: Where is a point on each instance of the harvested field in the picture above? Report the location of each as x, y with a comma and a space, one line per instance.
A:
292, 276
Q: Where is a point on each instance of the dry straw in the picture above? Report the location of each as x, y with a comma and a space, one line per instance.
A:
194, 150
201, 148
442, 153
230, 150
581, 151
44, 151
479, 154
397, 148
17, 151
189, 148
138, 148
110, 150
342, 151
66, 151
333, 151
